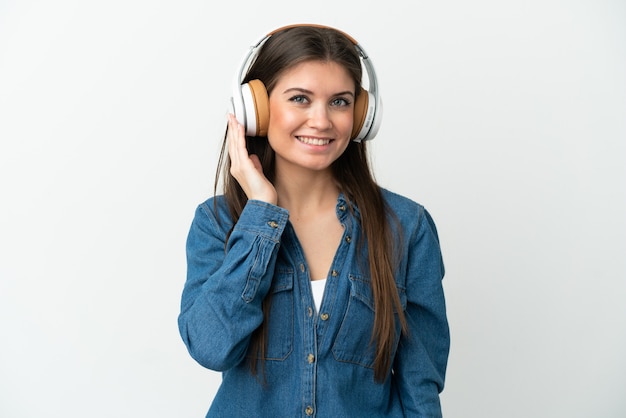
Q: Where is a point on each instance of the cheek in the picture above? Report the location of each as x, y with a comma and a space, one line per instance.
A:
279, 119
343, 123
348, 121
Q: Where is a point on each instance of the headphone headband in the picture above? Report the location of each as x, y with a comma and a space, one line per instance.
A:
250, 104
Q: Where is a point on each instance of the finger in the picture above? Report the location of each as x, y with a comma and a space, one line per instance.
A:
236, 140
240, 161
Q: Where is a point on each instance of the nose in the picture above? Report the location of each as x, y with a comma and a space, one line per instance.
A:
319, 116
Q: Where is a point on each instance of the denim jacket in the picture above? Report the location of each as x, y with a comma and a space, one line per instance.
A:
318, 364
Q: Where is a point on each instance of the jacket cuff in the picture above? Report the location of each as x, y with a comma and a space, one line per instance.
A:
263, 219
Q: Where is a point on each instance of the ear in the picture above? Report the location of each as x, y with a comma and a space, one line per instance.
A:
255, 114
360, 112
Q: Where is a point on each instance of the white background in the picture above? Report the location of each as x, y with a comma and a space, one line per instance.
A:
506, 119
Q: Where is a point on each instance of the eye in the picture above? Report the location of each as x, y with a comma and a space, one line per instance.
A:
340, 102
300, 98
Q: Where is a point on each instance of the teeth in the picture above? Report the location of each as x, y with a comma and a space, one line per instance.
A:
313, 141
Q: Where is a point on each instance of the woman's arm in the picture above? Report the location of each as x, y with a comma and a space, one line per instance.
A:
221, 300
421, 359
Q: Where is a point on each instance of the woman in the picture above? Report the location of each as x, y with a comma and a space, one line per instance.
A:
314, 290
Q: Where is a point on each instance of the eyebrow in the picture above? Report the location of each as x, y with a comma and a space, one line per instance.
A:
301, 90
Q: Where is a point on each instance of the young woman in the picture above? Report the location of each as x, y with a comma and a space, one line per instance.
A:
314, 290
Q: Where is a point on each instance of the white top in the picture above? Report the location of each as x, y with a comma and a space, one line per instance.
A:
317, 286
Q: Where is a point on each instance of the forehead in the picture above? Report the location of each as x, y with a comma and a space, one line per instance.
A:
313, 75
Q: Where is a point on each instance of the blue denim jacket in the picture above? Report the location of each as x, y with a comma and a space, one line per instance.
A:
317, 363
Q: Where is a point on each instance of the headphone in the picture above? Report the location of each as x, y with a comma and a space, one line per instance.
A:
250, 101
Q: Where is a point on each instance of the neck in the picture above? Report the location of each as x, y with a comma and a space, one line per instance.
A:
306, 191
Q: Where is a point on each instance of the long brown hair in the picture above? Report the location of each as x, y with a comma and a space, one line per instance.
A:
351, 170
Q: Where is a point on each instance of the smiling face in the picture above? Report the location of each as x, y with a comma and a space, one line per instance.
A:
311, 115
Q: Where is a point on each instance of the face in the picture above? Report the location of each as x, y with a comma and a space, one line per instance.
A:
311, 115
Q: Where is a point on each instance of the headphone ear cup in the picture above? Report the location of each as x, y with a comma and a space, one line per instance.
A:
256, 108
360, 112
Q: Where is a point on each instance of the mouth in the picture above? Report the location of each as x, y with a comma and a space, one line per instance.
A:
313, 141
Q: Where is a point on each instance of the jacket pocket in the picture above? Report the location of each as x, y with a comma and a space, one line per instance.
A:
281, 316
353, 343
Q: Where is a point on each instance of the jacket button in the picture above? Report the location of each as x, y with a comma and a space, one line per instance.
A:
273, 224
335, 273
324, 316
309, 410
310, 358
348, 239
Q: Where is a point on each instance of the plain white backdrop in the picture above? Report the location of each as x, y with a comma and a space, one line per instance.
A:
505, 119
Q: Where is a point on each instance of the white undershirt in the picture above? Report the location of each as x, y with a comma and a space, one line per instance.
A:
318, 292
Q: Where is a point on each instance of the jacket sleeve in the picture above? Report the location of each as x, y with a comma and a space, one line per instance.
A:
421, 360
221, 299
